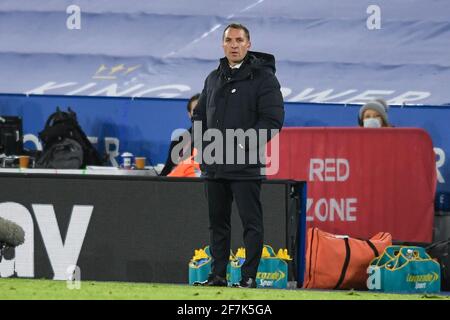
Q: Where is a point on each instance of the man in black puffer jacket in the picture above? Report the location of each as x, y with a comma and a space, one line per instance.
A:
241, 107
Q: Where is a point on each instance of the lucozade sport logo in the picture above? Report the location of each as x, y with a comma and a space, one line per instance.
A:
428, 277
62, 253
267, 279
278, 275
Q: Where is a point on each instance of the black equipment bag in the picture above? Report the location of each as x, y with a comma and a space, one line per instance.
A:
11, 135
64, 154
441, 251
65, 144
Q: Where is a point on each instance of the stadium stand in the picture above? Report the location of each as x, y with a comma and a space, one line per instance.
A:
319, 47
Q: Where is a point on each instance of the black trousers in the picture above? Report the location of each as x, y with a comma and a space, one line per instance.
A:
246, 193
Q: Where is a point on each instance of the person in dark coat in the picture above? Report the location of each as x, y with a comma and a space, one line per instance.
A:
241, 95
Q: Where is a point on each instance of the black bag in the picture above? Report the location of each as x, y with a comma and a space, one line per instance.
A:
11, 135
441, 251
65, 144
64, 154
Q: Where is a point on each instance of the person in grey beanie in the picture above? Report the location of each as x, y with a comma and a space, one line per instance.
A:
374, 114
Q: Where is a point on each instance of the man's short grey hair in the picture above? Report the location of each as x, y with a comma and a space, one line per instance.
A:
237, 26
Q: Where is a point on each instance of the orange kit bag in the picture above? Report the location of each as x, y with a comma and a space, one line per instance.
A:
340, 262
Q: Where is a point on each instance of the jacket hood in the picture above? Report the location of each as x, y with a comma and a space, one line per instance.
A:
256, 60
261, 60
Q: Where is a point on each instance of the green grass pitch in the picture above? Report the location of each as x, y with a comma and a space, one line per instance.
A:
30, 289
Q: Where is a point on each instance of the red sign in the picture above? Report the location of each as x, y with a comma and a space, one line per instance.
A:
363, 181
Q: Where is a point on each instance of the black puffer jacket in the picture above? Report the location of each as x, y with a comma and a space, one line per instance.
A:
247, 98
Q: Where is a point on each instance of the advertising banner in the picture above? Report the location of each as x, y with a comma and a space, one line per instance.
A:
364, 181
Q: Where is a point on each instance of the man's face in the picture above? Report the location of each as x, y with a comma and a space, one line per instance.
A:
235, 45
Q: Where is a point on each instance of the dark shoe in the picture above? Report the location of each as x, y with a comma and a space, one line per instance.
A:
248, 283
215, 281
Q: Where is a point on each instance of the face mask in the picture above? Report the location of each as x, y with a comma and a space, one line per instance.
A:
372, 123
